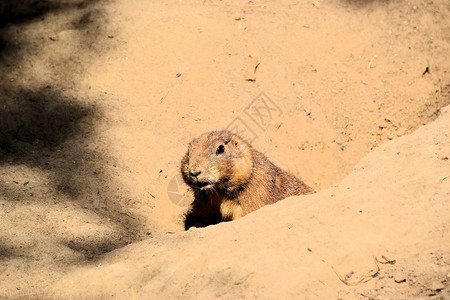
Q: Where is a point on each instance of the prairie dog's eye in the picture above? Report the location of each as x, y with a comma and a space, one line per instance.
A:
220, 149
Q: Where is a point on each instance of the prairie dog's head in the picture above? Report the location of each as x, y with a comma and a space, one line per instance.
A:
217, 160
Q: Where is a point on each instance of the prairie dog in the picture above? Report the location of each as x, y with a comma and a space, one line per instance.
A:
230, 179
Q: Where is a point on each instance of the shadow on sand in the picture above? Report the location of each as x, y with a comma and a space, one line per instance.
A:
42, 127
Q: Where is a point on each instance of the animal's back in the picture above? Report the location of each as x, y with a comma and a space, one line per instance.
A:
270, 184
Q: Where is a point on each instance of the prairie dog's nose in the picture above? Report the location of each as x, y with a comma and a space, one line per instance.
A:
194, 173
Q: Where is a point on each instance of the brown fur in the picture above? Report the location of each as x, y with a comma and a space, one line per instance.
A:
230, 184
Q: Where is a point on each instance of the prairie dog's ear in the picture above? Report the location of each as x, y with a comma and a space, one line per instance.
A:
239, 144
234, 141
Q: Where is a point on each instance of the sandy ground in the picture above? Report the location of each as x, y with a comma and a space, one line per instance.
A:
98, 100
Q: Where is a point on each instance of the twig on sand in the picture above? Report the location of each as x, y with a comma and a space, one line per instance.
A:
371, 61
132, 293
167, 93
363, 279
256, 63
386, 260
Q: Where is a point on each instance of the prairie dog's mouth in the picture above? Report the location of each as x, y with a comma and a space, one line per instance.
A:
203, 185
207, 187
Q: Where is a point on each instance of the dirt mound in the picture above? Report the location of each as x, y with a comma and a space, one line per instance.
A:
98, 100
369, 231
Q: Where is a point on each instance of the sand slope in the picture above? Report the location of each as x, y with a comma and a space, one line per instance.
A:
298, 246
